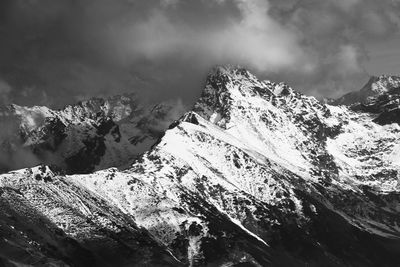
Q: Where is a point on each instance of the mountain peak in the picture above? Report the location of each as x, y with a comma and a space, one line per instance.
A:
227, 86
231, 71
221, 75
228, 78
384, 83
376, 86
230, 88
379, 96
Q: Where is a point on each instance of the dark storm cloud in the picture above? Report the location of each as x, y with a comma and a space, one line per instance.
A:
51, 50
57, 51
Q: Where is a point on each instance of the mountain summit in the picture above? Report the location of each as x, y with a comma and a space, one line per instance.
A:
380, 96
256, 174
376, 86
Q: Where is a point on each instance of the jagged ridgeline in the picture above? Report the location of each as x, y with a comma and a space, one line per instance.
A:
256, 174
81, 138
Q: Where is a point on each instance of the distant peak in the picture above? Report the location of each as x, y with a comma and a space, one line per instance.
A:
231, 71
376, 85
384, 83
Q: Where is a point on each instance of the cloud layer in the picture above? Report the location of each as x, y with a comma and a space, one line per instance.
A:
57, 51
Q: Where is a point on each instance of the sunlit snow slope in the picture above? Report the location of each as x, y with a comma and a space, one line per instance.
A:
256, 174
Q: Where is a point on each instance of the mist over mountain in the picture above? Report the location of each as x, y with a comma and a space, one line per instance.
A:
255, 174
87, 136
199, 133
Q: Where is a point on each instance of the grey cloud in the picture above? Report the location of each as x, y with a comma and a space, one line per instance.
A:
58, 51
5, 90
254, 39
13, 154
336, 34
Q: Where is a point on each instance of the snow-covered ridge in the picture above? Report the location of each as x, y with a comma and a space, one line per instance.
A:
375, 87
380, 96
256, 174
93, 134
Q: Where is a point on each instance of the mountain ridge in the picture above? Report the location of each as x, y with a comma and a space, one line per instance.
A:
380, 96
256, 174
84, 137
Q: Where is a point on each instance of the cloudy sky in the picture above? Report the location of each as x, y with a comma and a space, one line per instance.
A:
56, 52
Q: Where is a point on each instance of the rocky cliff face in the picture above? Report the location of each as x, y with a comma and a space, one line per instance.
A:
256, 174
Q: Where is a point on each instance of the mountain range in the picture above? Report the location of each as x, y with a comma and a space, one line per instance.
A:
91, 135
255, 174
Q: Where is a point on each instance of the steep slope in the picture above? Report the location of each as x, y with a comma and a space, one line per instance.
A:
81, 138
369, 146
261, 175
50, 221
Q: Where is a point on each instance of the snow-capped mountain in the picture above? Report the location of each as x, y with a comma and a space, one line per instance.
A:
256, 174
381, 96
375, 87
91, 135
